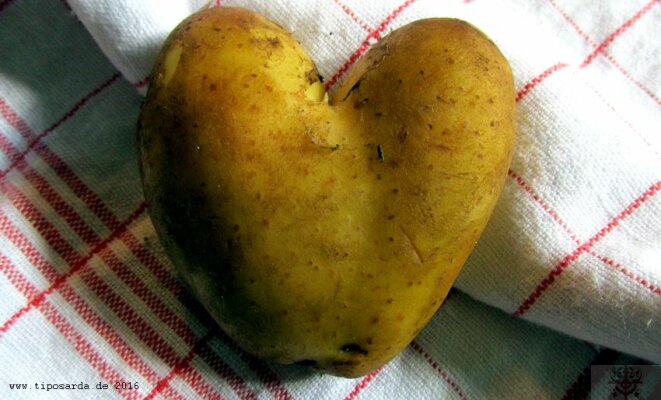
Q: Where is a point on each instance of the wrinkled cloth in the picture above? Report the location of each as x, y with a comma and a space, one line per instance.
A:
567, 274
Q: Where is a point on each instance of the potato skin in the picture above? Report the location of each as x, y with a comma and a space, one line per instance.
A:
322, 233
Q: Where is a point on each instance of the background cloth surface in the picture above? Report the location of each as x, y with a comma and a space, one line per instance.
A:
566, 275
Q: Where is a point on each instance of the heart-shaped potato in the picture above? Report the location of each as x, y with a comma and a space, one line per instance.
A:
326, 233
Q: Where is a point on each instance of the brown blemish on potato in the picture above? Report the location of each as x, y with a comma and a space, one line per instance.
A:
274, 42
441, 147
359, 103
353, 348
403, 134
311, 76
212, 87
354, 87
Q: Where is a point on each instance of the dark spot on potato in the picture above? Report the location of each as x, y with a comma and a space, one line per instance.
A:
441, 147
369, 340
379, 153
216, 29
403, 134
235, 228
492, 124
354, 87
378, 176
359, 103
274, 42
285, 312
353, 348
395, 191
450, 60
374, 320
212, 87
399, 81
389, 301
409, 283
422, 72
430, 126
378, 114
253, 75
391, 217
245, 85
391, 239
311, 76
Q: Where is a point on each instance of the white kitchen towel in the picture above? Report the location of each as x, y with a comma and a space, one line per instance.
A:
574, 245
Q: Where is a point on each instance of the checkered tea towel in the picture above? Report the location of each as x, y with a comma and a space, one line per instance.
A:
566, 276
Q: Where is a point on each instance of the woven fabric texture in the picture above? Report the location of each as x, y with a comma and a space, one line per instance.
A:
567, 274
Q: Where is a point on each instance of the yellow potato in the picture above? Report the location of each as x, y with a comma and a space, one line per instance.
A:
326, 233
